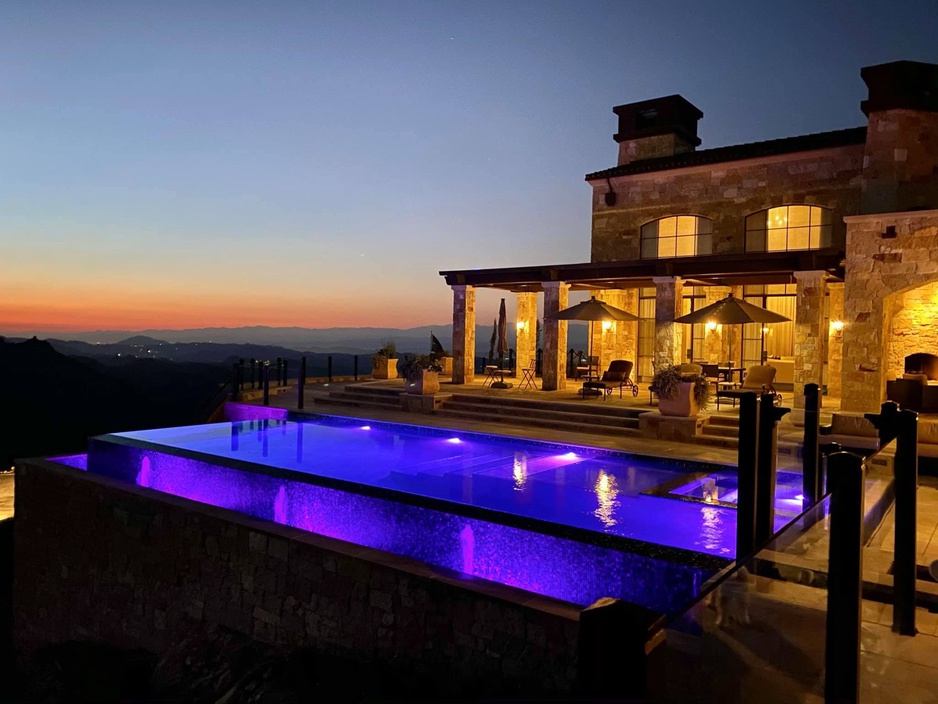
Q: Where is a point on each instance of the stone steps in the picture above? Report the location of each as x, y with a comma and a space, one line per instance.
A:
363, 396
540, 422
593, 408
494, 410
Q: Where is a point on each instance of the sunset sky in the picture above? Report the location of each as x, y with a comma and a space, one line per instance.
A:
193, 164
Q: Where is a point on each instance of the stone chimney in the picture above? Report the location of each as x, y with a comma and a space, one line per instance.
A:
900, 163
656, 128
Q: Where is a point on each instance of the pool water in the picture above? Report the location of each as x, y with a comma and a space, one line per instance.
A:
569, 522
593, 490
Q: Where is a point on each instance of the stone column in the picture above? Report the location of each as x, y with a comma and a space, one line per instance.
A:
835, 340
669, 298
464, 334
716, 342
554, 361
526, 324
809, 331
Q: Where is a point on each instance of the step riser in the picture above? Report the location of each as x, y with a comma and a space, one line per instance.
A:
501, 412
554, 425
590, 407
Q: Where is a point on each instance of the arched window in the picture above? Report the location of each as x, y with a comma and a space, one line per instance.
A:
677, 236
788, 227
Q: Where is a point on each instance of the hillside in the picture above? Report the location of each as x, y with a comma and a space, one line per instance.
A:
54, 402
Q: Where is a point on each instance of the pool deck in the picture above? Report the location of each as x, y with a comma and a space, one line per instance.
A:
286, 397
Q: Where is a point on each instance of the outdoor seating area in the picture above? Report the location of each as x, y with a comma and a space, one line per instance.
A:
758, 379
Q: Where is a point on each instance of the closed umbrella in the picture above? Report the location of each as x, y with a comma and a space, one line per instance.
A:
593, 310
732, 311
501, 346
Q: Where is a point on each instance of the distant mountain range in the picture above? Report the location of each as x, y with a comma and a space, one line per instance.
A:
263, 342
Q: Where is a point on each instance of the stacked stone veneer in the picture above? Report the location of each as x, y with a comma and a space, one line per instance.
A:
726, 193
914, 327
878, 270
96, 559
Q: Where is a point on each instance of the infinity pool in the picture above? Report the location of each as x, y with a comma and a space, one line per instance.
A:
526, 513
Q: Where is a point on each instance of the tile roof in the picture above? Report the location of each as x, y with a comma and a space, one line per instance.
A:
803, 143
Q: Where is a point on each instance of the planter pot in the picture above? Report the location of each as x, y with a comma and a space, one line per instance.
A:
384, 369
427, 383
681, 404
447, 363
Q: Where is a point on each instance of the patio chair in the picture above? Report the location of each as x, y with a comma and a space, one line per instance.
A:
758, 379
717, 378
527, 376
591, 367
619, 374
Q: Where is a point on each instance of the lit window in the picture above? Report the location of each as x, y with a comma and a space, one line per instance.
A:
788, 227
677, 236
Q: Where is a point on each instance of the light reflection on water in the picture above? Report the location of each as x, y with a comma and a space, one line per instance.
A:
606, 495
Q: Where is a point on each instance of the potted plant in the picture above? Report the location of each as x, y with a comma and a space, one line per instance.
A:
384, 362
422, 374
680, 394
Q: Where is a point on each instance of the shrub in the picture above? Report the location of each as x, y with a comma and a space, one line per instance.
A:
666, 380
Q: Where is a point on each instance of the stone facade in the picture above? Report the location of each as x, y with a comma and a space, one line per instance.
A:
97, 559
879, 267
726, 193
618, 340
526, 326
914, 327
835, 341
668, 335
900, 159
809, 332
464, 334
554, 361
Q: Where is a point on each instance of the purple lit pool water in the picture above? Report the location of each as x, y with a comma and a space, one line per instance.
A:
568, 522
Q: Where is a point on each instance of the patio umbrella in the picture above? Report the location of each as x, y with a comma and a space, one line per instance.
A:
502, 344
591, 311
732, 311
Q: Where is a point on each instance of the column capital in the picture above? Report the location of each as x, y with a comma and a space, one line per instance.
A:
666, 279
813, 274
555, 284
459, 288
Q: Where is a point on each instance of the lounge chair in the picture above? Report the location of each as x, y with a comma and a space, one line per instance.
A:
758, 379
619, 374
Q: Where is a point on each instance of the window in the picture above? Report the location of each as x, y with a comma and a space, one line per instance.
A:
646, 333
677, 236
788, 227
773, 339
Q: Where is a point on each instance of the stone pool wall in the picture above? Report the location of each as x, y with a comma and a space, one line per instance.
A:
97, 559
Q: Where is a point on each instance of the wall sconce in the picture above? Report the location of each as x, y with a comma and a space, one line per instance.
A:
837, 325
521, 325
607, 325
711, 325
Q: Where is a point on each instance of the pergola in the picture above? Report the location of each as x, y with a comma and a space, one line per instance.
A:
809, 269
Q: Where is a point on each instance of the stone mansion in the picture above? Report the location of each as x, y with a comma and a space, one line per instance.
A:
838, 231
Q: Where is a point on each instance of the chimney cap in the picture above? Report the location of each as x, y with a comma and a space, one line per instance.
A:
672, 114
910, 85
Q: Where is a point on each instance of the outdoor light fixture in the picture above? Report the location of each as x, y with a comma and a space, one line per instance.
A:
521, 325
607, 325
711, 325
837, 325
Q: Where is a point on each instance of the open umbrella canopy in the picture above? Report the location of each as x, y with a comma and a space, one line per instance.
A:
732, 311
593, 309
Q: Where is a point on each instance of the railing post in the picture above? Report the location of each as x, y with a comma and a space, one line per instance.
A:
511, 359
235, 391
904, 568
329, 368
902, 425
810, 486
279, 374
615, 640
537, 361
301, 383
747, 462
253, 371
845, 579
265, 374
769, 416
286, 376
355, 367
